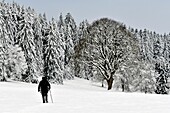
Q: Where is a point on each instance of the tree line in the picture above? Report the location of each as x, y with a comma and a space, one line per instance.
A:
104, 51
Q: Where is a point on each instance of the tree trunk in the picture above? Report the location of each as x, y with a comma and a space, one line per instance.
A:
4, 79
123, 85
109, 83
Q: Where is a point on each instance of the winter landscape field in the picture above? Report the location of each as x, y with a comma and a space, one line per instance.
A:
134, 60
78, 96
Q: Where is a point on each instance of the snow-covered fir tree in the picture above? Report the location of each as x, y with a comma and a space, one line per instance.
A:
51, 54
82, 69
15, 63
69, 38
154, 51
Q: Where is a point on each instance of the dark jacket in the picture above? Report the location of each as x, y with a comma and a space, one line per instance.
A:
44, 86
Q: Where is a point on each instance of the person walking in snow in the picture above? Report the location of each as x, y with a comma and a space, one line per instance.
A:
43, 87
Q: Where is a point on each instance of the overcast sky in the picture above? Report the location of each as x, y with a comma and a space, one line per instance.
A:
153, 15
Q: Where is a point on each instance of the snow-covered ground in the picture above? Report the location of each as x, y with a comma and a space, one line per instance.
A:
78, 96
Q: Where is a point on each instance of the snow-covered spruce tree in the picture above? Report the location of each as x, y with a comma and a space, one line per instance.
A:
45, 34
162, 74
71, 27
61, 44
162, 65
5, 38
38, 40
159, 58
12, 58
25, 38
15, 64
18, 21
70, 36
51, 55
154, 50
161, 83
4, 47
146, 44
82, 69
156, 46
111, 44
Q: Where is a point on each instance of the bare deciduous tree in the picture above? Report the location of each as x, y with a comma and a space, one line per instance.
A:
109, 45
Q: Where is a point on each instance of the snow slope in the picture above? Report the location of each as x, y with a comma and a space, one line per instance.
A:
78, 96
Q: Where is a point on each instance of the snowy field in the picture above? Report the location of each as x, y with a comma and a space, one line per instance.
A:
78, 96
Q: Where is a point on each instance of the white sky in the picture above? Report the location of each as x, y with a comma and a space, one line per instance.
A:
150, 14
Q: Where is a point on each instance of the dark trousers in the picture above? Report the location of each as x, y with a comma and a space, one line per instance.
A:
45, 97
